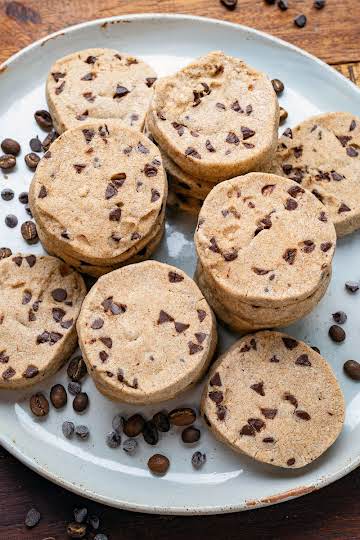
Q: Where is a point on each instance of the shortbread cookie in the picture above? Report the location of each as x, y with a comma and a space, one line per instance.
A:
322, 154
275, 399
99, 84
146, 333
40, 300
177, 201
99, 192
216, 118
263, 240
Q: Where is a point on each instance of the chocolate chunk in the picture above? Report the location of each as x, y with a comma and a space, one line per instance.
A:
303, 360
236, 107
181, 327
42, 193
59, 295
103, 355
343, 139
30, 372
155, 195
258, 388
209, 146
309, 246
216, 396
230, 255
232, 138
343, 208
248, 431
247, 132
164, 317
302, 414
174, 277
290, 462
325, 246
256, 423
288, 133
201, 314
200, 336
322, 217
268, 189
150, 170
180, 128
115, 214
292, 399
150, 81
215, 380
192, 153
291, 204
89, 134
352, 125
97, 324
290, 343
194, 348
269, 413
351, 151
260, 271
214, 246
290, 255
221, 412
275, 359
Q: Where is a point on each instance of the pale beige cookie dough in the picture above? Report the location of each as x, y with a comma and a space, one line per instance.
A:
146, 333
322, 154
216, 118
100, 84
274, 399
99, 192
40, 300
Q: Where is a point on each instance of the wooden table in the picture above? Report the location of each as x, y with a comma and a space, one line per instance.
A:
332, 34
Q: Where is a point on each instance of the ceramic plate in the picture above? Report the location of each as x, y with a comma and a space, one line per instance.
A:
228, 482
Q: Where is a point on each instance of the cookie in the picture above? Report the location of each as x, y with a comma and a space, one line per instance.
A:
40, 300
146, 333
177, 201
263, 240
216, 118
322, 154
99, 84
98, 194
274, 399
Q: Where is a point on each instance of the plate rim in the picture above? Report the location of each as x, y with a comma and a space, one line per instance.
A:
11, 447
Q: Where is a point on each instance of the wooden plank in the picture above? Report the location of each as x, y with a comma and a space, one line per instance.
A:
352, 71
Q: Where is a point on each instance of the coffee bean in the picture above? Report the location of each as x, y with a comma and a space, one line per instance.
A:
283, 5
190, 435
32, 160
80, 514
82, 432
340, 317
113, 439
35, 145
11, 221
130, 446
5, 252
7, 162
161, 421
134, 425
39, 405
198, 460
117, 423
10, 146
74, 388
278, 86
229, 4
68, 429
352, 369
24, 197
76, 369
58, 396
283, 116
352, 286
319, 4
158, 464
94, 522
76, 530
7, 194
300, 21
81, 402
29, 232
150, 433
43, 120
101, 536
32, 518
337, 333
183, 416
28, 210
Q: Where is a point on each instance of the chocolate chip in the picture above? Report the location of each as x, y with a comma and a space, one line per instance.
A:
174, 277
288, 133
89, 134
7, 162
290, 343
292, 399
268, 189
42, 193
190, 435
220, 106
351, 128
190, 151
303, 360
337, 333
258, 388
29, 232
155, 195
181, 327
76, 369
248, 431
236, 107
107, 341
352, 369
309, 246
275, 359
11, 221
232, 138
247, 132
300, 21
215, 380
150, 81
319, 4
158, 464
302, 414
7, 194
339, 317
164, 317
343, 208
80, 402
183, 416
291, 204
352, 286
30, 372
201, 314
103, 355
32, 518
39, 405
150, 433
194, 348
290, 255
209, 146
256, 423
260, 271
26, 297
290, 462
32, 160
229, 4
120, 92
343, 139
325, 246
214, 246
278, 86
43, 119
351, 151
115, 214
216, 396
269, 413
59, 295
336, 176
10, 146
110, 191
58, 396
180, 128
322, 217
49, 139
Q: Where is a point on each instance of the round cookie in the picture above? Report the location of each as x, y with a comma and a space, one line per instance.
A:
177, 201
99, 193
274, 399
216, 118
40, 300
262, 239
146, 333
99, 84
322, 154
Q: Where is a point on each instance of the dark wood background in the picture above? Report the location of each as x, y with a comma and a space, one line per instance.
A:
332, 34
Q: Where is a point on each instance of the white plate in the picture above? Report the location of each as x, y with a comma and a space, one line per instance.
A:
228, 482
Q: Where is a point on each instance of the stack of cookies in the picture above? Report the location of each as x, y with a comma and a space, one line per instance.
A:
213, 120
265, 247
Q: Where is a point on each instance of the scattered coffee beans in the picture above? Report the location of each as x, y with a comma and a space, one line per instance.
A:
278, 86
340, 317
80, 514
35, 145
82, 432
158, 464
161, 421
7, 194
76, 369
81, 402
352, 369
74, 388
58, 396
39, 405
24, 197
337, 333
352, 286
7, 162
32, 160
130, 446
113, 439
5, 252
32, 518
229, 4
283, 116
10, 146
198, 460
29, 232
44, 120
76, 530
183, 416
190, 435
134, 425
68, 429
319, 4
150, 433
300, 21
11, 221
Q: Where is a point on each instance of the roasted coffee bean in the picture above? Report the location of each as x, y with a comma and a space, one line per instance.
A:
352, 286
82, 432
7, 162
80, 514
158, 464
130, 446
43, 119
278, 86
300, 21
190, 435
352, 369
198, 460
76, 530
7, 194
24, 197
283, 116
11, 221
58, 396
183, 416
68, 429
117, 423
150, 433
10, 146
74, 388
39, 405
94, 522
229, 4
32, 518
81, 402
32, 160
134, 425
340, 317
29, 232
35, 145
319, 4
113, 439
161, 421
283, 5
5, 252
337, 333
76, 369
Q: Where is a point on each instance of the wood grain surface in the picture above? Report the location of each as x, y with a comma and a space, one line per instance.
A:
332, 34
